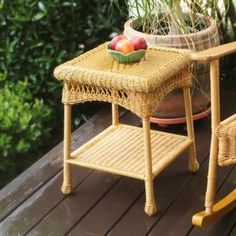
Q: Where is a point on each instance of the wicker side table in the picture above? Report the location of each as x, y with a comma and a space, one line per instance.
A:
122, 149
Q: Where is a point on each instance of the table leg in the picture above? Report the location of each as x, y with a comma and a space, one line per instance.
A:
67, 179
115, 114
193, 163
150, 205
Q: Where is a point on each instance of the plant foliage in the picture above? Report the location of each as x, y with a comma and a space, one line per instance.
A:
23, 127
36, 36
163, 17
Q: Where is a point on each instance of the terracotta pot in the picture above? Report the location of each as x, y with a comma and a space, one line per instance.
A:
173, 105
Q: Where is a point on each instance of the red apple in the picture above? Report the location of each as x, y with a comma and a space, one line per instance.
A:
115, 40
124, 46
139, 43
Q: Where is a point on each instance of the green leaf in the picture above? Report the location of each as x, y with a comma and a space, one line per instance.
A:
22, 146
38, 16
42, 7
37, 35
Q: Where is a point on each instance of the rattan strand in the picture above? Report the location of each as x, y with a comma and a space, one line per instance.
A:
139, 87
98, 69
141, 104
108, 151
226, 133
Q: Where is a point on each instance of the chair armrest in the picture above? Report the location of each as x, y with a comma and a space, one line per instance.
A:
214, 53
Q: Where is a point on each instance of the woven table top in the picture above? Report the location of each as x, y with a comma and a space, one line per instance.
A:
96, 67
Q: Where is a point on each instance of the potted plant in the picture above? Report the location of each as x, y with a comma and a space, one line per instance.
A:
188, 24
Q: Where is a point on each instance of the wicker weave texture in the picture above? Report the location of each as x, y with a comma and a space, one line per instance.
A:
226, 133
139, 87
120, 150
141, 104
97, 68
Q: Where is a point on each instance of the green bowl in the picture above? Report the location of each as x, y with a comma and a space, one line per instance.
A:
127, 58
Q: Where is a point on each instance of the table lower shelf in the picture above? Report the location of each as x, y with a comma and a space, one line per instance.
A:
120, 150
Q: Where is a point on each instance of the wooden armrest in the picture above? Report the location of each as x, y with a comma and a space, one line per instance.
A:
214, 53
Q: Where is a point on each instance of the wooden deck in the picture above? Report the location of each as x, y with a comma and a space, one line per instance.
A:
105, 204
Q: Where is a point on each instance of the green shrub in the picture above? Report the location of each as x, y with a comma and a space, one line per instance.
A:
23, 126
35, 37
38, 35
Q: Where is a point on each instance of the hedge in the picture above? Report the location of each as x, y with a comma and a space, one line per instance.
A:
35, 37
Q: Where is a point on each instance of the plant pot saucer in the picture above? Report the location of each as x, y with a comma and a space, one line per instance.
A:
164, 122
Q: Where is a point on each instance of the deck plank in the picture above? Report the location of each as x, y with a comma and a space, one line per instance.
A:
37, 205
181, 223
83, 204
233, 232
168, 186
134, 221
74, 207
113, 206
16, 192
105, 221
224, 225
43, 176
190, 200
106, 204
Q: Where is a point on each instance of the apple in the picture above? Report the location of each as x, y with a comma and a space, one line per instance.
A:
139, 43
124, 46
116, 39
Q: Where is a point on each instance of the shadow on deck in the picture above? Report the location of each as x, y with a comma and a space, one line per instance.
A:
105, 204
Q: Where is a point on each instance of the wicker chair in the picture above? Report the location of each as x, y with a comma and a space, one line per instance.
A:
223, 140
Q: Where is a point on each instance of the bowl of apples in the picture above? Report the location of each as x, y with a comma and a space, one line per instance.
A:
124, 50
